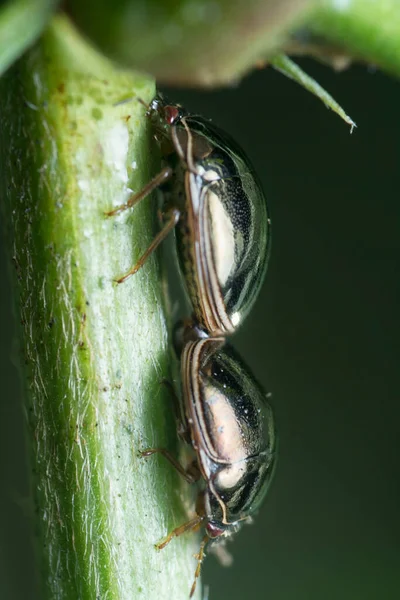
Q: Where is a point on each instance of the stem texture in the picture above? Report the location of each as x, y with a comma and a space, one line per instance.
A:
94, 353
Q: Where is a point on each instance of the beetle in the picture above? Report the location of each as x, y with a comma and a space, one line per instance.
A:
211, 195
227, 419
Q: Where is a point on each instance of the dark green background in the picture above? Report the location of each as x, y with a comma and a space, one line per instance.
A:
323, 337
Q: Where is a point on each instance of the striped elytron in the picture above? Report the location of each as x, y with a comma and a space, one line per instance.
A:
213, 198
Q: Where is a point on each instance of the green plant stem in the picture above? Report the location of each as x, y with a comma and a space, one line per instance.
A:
94, 352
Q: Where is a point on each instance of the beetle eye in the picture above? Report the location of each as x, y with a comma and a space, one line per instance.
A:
171, 113
214, 530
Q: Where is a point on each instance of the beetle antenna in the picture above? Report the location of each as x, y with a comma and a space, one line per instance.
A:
200, 557
143, 103
130, 99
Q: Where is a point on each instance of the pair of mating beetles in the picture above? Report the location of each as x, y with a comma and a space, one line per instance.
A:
214, 201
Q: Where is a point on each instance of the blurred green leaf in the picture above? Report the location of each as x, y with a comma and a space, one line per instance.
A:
21, 23
365, 30
189, 42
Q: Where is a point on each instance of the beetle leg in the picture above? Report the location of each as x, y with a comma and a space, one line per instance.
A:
191, 474
153, 184
182, 429
174, 395
169, 225
192, 525
200, 558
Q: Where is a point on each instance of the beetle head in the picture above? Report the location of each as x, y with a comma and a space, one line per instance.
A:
164, 114
218, 531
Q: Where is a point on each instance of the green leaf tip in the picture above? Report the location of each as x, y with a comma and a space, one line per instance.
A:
285, 65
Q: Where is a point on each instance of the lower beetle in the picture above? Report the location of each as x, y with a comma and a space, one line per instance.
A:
228, 421
214, 199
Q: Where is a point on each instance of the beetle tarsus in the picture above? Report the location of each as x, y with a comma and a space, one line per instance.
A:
192, 525
153, 184
200, 557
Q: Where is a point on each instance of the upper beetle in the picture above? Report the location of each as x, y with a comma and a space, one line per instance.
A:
229, 422
213, 197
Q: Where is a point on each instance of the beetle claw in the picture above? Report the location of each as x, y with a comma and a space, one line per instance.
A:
165, 542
